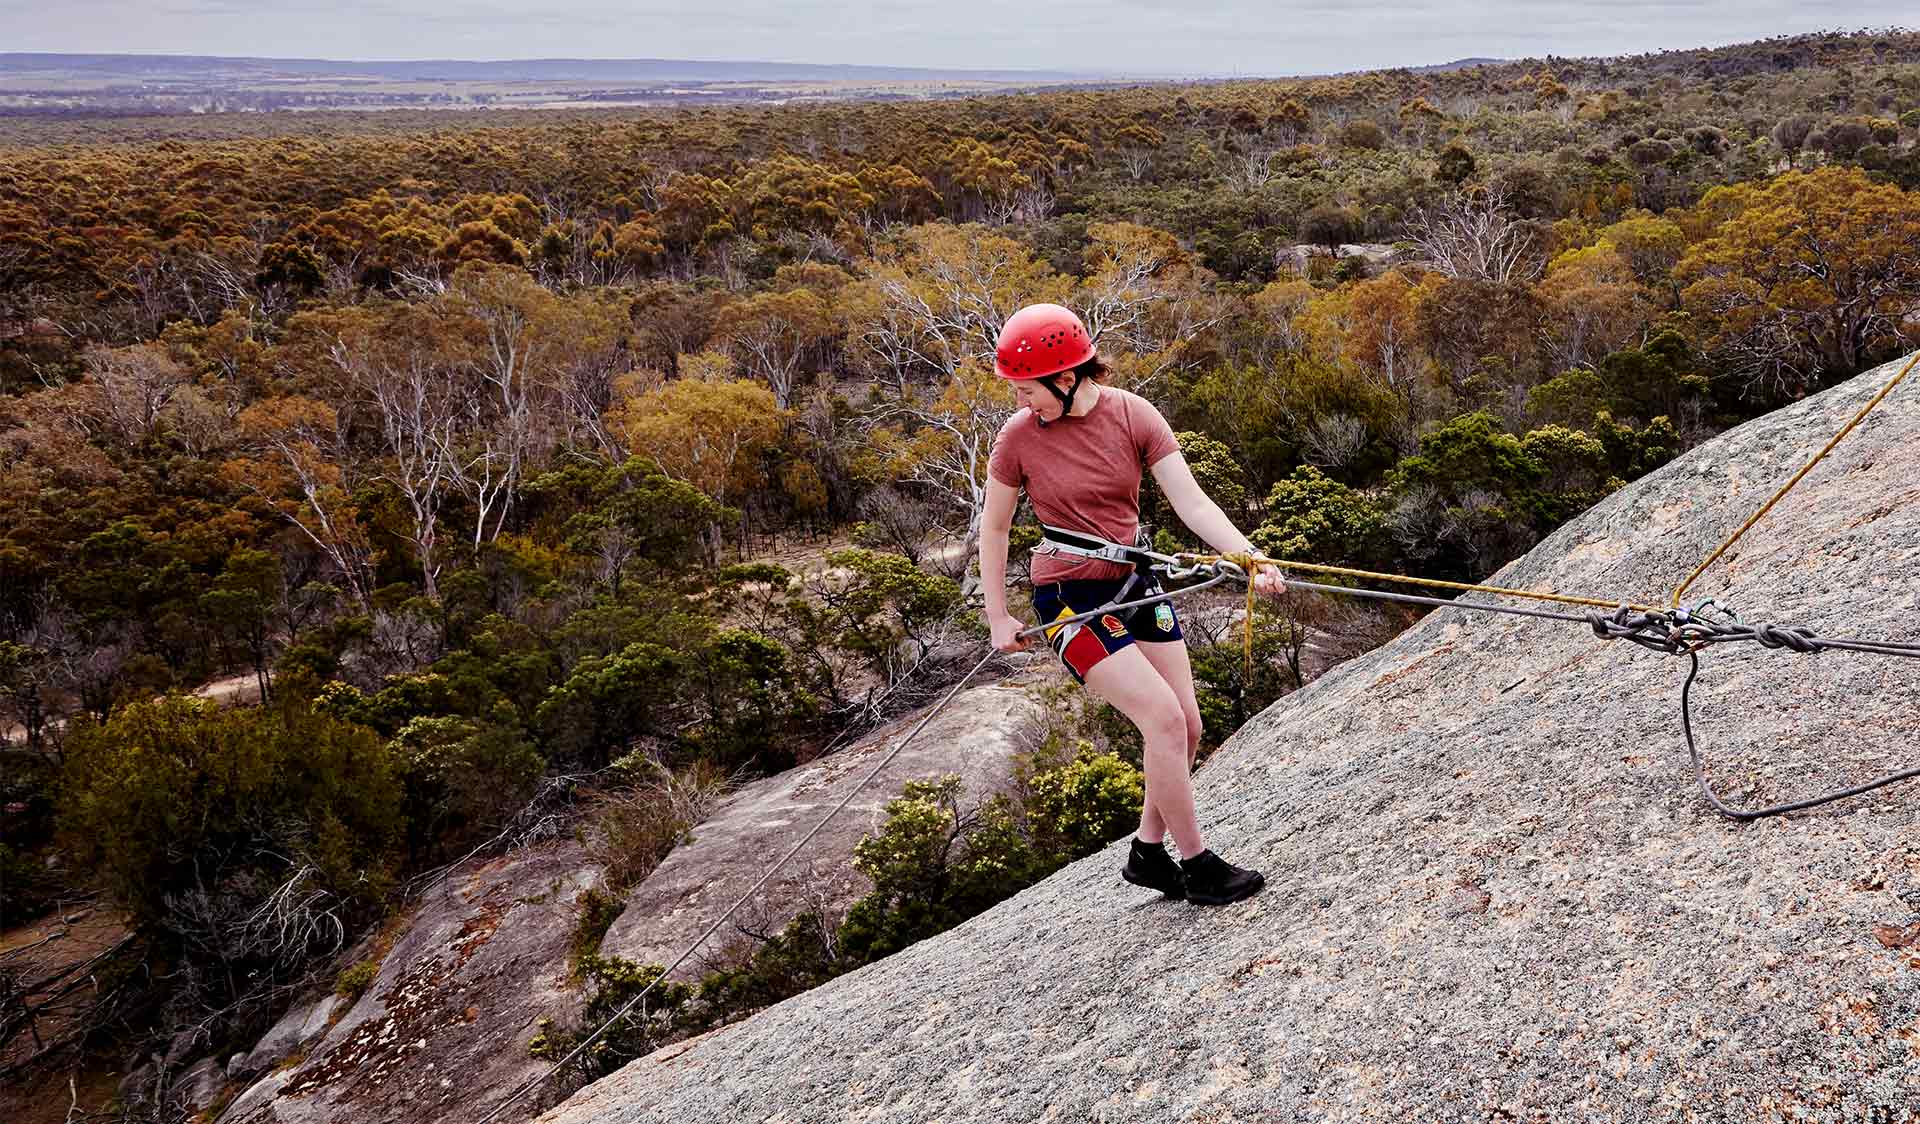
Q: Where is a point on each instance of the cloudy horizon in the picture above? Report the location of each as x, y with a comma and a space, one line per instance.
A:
1224, 37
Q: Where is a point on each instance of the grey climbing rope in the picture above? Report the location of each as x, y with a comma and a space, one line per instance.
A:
1683, 632
1686, 632
1219, 575
1749, 814
1677, 632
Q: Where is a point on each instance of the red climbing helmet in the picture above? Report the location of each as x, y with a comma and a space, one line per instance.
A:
1041, 340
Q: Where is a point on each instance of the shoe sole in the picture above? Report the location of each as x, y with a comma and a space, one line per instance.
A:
1177, 894
1229, 899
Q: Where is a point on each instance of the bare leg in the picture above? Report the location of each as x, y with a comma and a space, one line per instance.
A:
1171, 660
1129, 682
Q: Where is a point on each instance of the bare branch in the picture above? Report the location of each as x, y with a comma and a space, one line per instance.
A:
1474, 235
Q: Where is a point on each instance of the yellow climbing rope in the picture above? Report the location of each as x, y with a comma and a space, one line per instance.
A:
1249, 565
1797, 477
1249, 561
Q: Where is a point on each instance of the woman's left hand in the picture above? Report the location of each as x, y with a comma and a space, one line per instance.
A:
1269, 578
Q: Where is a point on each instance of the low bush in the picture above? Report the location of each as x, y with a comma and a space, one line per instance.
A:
599, 909
355, 979
629, 829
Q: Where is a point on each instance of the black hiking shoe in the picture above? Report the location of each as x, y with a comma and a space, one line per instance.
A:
1212, 880
1149, 865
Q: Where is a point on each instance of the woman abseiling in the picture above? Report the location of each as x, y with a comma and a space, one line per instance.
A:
1077, 448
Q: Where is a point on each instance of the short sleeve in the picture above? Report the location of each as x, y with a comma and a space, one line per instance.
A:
1003, 463
1152, 433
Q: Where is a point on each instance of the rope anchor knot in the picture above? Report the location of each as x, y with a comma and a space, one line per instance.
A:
1799, 638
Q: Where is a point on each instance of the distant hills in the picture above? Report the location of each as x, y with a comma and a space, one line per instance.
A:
1456, 64
215, 69
209, 68
34, 84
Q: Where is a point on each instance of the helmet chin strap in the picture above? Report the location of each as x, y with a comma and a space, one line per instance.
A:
1065, 397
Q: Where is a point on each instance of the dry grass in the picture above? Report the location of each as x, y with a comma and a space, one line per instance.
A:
629, 831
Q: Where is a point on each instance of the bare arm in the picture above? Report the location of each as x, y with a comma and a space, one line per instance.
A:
995, 521
1204, 518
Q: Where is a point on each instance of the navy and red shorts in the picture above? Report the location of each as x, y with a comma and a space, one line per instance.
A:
1083, 644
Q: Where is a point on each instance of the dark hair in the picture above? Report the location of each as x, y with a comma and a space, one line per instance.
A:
1093, 370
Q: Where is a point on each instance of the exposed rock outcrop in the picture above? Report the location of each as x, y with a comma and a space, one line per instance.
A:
975, 736
1493, 890
444, 1027
302, 1024
1377, 255
199, 1085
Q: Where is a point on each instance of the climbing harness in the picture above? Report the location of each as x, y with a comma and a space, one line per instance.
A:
1059, 540
1672, 630
1063, 632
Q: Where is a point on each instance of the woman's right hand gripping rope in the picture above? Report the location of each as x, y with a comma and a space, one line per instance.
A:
1007, 635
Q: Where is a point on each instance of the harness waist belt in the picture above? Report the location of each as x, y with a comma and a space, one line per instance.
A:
1058, 540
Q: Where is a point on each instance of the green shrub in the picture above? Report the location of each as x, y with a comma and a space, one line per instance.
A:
1330, 224
802, 956
1470, 451
1465, 499
404, 698
356, 979
1363, 133
747, 699
1311, 518
608, 701
1571, 396
1456, 164
933, 866
1218, 474
598, 911
178, 797
1088, 802
1658, 379
611, 982
632, 517
872, 603
462, 777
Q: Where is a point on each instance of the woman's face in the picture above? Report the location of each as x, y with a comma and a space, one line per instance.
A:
1035, 397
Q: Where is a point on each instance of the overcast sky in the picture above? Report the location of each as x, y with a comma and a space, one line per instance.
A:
1131, 36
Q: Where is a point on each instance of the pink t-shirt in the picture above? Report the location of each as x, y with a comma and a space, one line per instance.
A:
1083, 474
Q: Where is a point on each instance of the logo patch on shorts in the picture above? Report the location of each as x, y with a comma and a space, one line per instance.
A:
1113, 624
1163, 616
